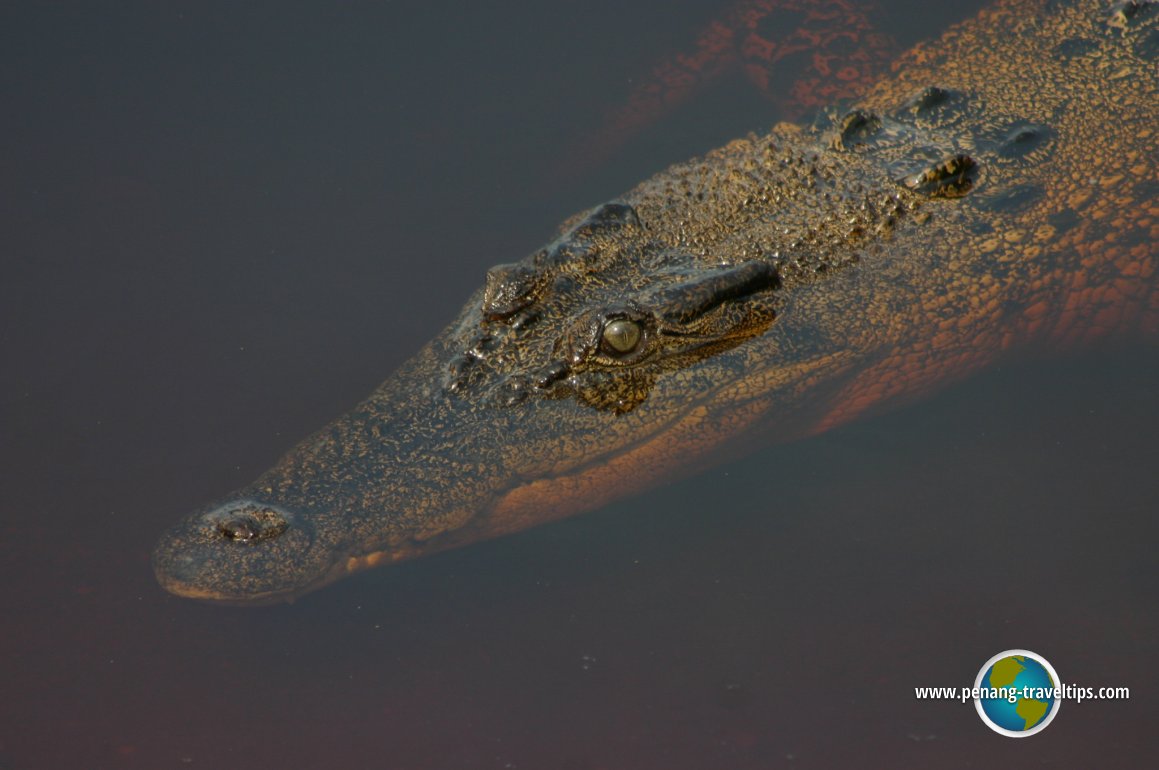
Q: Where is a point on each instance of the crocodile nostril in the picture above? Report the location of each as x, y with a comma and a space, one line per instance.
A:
242, 530
248, 523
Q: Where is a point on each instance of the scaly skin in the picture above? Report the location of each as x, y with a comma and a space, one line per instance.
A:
1000, 189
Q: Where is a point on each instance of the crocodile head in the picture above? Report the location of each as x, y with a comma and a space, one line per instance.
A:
602, 313
648, 332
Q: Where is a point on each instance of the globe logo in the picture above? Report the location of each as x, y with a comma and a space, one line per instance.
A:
1017, 693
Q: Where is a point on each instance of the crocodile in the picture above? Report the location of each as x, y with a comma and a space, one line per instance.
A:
998, 189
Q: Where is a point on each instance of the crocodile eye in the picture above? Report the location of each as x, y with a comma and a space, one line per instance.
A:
621, 336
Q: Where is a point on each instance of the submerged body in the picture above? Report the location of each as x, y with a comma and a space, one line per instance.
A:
1001, 188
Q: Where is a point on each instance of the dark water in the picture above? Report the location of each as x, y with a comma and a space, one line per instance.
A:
225, 223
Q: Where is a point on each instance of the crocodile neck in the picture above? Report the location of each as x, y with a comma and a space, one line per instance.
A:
1049, 241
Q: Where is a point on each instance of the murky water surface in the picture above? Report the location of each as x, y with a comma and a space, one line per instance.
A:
225, 223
